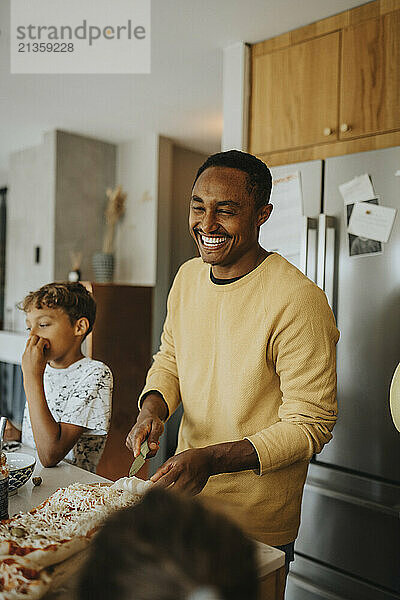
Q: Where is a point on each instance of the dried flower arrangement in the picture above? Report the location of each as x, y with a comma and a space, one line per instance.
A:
114, 211
76, 259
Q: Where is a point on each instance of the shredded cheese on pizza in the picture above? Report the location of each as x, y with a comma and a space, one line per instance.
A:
59, 524
73, 511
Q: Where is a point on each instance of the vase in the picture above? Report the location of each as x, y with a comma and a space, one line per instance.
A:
103, 266
74, 276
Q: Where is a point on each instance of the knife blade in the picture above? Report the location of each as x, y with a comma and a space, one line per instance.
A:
139, 460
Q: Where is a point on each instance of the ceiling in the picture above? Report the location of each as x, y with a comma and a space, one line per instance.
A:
181, 98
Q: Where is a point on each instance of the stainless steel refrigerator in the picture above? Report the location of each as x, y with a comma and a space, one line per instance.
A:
349, 541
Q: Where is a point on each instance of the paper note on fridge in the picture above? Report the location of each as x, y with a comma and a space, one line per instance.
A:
358, 189
282, 232
371, 221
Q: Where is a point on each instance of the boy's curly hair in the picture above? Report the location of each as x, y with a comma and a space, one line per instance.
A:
73, 298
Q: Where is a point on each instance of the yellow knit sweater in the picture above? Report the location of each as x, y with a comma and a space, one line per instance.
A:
251, 359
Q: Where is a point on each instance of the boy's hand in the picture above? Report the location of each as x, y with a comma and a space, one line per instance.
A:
34, 359
11, 433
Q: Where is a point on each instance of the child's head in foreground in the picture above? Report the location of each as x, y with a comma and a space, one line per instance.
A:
61, 313
169, 548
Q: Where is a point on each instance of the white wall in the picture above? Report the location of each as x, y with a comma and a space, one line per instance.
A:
152, 240
86, 167
30, 200
163, 261
143, 239
136, 238
12, 346
55, 202
236, 96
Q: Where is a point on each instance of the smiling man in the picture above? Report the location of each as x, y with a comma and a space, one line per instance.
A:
224, 221
248, 347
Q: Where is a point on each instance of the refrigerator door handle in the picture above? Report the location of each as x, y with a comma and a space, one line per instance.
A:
308, 224
392, 511
326, 255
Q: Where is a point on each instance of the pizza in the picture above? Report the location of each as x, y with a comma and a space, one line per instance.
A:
32, 543
17, 581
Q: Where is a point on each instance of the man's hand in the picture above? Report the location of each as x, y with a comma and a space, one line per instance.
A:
34, 358
187, 472
149, 425
190, 470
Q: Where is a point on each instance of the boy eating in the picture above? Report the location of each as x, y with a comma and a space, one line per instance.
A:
68, 395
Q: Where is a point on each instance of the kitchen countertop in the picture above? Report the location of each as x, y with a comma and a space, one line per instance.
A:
29, 496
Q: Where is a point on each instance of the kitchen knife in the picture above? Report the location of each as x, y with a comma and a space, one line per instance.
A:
139, 460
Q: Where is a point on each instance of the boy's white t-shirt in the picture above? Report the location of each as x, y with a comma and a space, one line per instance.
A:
80, 395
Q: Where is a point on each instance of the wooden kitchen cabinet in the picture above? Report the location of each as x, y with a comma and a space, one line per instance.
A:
329, 88
121, 338
370, 77
295, 100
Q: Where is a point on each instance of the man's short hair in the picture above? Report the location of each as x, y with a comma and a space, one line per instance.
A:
259, 178
73, 298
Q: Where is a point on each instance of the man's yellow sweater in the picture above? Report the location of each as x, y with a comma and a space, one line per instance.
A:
251, 359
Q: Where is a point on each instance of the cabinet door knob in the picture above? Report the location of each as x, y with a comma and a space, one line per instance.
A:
345, 127
327, 131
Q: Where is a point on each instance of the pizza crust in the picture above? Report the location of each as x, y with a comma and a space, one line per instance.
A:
48, 543
64, 573
52, 555
17, 585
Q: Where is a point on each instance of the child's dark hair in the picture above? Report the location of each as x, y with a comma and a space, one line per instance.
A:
73, 298
167, 548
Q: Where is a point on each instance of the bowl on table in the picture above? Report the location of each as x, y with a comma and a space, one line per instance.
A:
21, 467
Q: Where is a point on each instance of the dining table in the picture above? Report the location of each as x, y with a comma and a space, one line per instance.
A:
28, 496
271, 561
